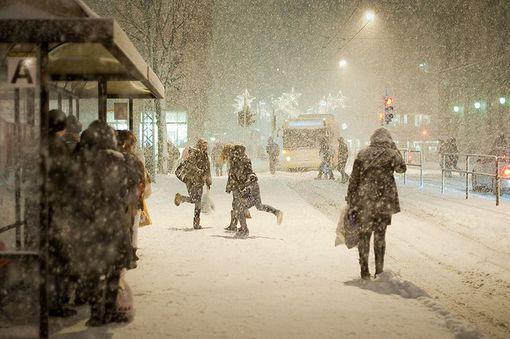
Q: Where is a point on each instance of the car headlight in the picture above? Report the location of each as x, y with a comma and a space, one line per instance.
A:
284, 151
288, 158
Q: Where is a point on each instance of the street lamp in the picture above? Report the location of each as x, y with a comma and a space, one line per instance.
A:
342, 63
369, 16
478, 105
456, 109
502, 100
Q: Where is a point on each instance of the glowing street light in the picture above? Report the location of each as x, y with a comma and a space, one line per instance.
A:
456, 109
478, 105
369, 16
502, 100
342, 63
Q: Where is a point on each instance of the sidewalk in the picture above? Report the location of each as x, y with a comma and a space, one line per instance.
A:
282, 282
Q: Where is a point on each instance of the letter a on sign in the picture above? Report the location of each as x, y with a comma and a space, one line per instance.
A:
21, 71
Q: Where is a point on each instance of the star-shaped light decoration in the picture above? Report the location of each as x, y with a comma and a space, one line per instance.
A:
243, 101
288, 103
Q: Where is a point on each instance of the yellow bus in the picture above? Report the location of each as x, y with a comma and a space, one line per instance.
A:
302, 138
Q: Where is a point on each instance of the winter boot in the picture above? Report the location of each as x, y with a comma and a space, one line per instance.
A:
242, 233
279, 217
177, 199
196, 224
365, 273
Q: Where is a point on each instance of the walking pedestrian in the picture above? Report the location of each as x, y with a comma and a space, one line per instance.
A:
372, 196
343, 155
273, 151
243, 183
195, 172
326, 155
217, 159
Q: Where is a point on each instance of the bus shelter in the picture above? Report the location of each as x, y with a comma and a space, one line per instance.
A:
52, 50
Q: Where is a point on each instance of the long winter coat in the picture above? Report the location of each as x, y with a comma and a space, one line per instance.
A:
199, 161
101, 226
343, 154
372, 189
241, 172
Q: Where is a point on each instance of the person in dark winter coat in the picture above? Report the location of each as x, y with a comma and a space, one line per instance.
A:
101, 229
273, 150
372, 195
326, 155
343, 155
59, 245
217, 159
173, 156
126, 142
242, 182
452, 155
200, 175
72, 135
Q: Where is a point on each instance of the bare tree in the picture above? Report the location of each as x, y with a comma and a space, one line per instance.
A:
160, 29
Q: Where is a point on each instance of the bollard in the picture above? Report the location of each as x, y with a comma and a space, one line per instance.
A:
467, 176
442, 173
498, 186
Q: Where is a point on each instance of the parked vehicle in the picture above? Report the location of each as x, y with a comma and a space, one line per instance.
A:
484, 183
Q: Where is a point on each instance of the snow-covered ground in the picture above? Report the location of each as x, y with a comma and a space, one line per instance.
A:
447, 270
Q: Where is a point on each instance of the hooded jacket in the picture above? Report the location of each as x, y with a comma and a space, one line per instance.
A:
241, 172
372, 189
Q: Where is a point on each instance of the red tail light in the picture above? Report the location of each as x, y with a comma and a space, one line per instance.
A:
504, 172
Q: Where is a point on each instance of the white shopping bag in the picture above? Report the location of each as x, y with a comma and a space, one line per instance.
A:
207, 202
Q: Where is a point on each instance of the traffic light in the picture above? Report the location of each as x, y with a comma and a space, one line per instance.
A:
388, 109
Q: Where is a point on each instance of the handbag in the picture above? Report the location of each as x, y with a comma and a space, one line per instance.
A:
124, 303
348, 228
148, 188
207, 204
145, 218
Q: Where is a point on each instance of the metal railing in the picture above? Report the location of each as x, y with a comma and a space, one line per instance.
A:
469, 170
408, 158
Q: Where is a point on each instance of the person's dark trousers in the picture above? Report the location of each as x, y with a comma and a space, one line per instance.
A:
195, 197
103, 297
240, 213
259, 205
233, 212
272, 165
379, 250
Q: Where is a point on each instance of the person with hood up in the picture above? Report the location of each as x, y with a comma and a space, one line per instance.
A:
58, 241
326, 155
101, 230
343, 155
198, 174
372, 195
72, 135
138, 178
242, 182
273, 150
217, 159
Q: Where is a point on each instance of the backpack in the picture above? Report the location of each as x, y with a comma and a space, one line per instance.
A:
188, 171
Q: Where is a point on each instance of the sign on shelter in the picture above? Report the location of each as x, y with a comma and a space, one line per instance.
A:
21, 71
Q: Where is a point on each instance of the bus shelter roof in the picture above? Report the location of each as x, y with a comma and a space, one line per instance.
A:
83, 47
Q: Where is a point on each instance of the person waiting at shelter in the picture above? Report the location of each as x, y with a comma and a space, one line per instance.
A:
101, 227
58, 236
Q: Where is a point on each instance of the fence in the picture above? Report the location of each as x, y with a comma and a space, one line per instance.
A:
493, 162
408, 157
